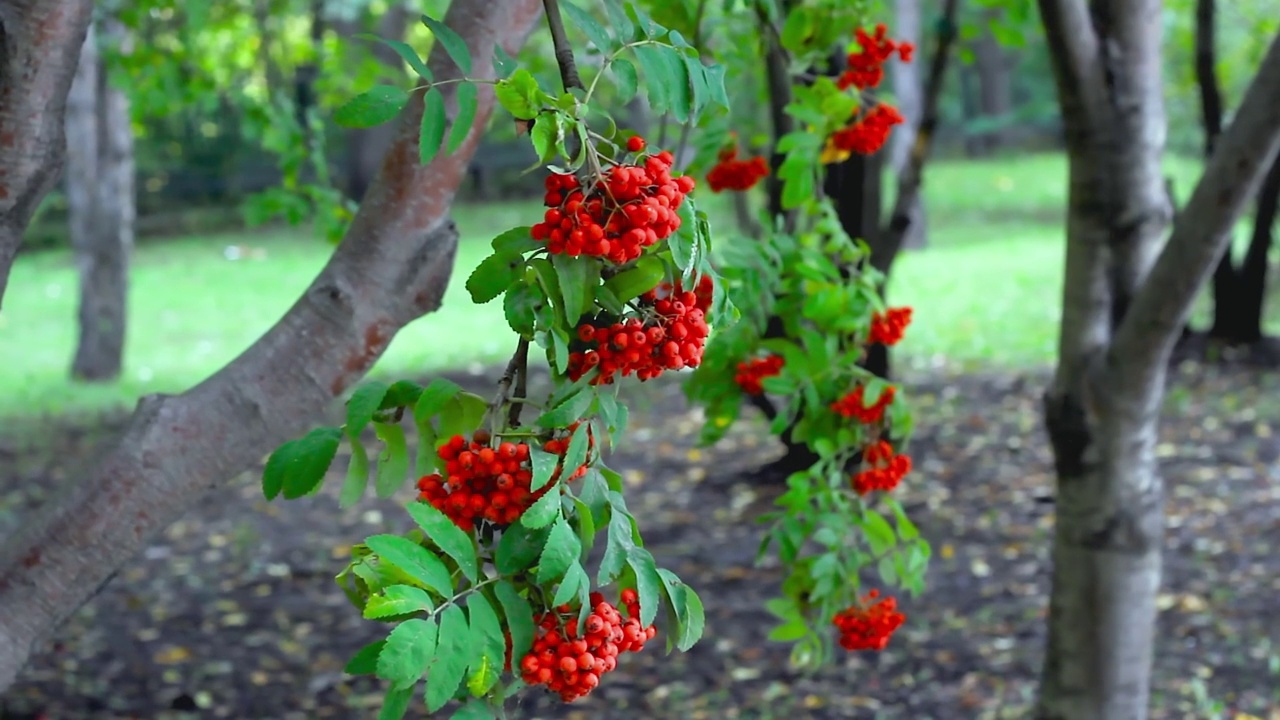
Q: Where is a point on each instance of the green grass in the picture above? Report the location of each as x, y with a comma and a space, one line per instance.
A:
986, 292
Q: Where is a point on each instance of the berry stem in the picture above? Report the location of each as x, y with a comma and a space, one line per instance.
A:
516, 372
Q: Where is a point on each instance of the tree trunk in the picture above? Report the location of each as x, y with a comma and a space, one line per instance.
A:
40, 43
100, 196
1253, 271
995, 82
392, 267
1122, 312
908, 91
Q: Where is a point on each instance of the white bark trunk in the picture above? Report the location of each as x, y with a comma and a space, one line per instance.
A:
908, 91
392, 267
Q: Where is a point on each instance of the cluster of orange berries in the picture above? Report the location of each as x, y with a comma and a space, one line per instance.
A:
853, 405
869, 132
627, 209
490, 483
670, 334
868, 626
752, 372
887, 328
730, 173
884, 470
866, 64
570, 662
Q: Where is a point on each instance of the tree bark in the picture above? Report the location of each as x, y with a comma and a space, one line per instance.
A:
391, 268
100, 195
1122, 312
995, 81
40, 42
908, 91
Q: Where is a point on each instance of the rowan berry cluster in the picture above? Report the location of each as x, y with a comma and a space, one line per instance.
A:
730, 173
615, 216
866, 64
868, 132
884, 469
752, 372
485, 482
853, 405
669, 332
887, 328
570, 663
868, 626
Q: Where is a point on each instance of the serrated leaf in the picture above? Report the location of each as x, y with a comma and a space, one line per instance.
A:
362, 404
395, 703
449, 537
626, 80
449, 665
698, 90
544, 135
695, 621
426, 458
678, 93
298, 466
406, 53
618, 19
594, 31
372, 107
573, 408
546, 509
452, 42
503, 63
365, 661
570, 584
397, 600
434, 397
494, 275
518, 548
878, 531
515, 241
468, 102
393, 461
657, 77
415, 561
717, 93
648, 583
357, 479
473, 710
616, 550
402, 393
519, 617
578, 279
520, 307
488, 646
520, 95
434, 122
576, 454
631, 284
407, 654
544, 467
789, 632
560, 552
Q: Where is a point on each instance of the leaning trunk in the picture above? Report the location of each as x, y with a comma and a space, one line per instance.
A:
1253, 272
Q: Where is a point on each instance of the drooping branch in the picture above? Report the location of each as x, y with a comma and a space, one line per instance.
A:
392, 267
39, 47
1202, 230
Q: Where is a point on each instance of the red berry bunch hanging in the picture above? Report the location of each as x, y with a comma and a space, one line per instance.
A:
730, 173
868, 132
853, 405
628, 208
884, 469
752, 372
668, 333
868, 626
887, 328
483, 482
569, 662
866, 64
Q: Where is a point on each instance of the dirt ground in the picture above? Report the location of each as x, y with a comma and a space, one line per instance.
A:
233, 613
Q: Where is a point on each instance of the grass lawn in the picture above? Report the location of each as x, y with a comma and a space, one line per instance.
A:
986, 292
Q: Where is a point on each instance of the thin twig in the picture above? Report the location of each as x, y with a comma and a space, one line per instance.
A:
564, 51
521, 362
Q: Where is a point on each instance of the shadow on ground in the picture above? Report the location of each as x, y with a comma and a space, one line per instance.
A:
233, 613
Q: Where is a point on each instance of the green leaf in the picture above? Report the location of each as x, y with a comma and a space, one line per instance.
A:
789, 632
618, 19
494, 275
520, 305
449, 665
518, 548
488, 646
424, 568
395, 703
594, 31
698, 90
393, 461
570, 584
449, 537
545, 133
714, 75
695, 621
541, 513
407, 654
426, 458
679, 91
365, 661
658, 79
576, 454
357, 476
625, 78
452, 42
372, 107
406, 53
515, 241
503, 64
560, 344
298, 466
402, 393
578, 279
362, 404
879, 533
434, 122
544, 467
560, 552
648, 583
519, 617
520, 95
397, 600
434, 397
645, 276
573, 408
468, 101
617, 549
